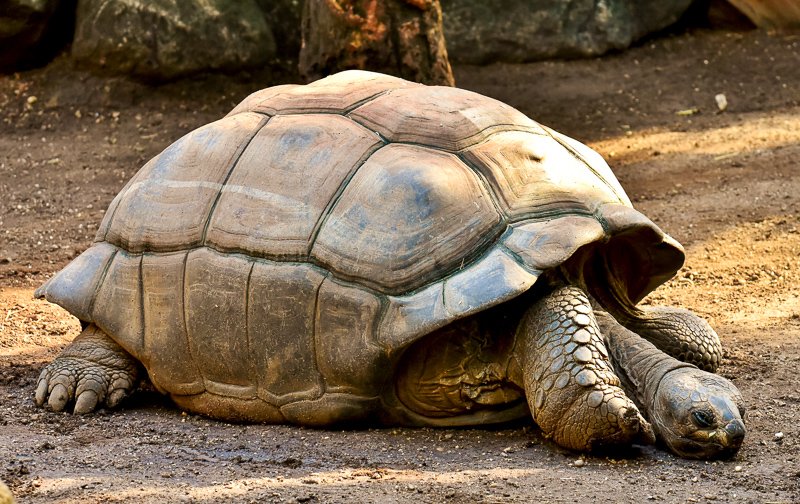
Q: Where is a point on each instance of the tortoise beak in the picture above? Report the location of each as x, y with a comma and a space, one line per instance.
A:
729, 439
734, 434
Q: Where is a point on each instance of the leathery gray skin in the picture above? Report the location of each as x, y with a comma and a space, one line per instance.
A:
93, 370
695, 414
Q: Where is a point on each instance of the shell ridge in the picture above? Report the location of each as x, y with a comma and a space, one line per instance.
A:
487, 187
236, 157
364, 101
501, 246
545, 215
481, 248
493, 129
357, 105
494, 240
456, 145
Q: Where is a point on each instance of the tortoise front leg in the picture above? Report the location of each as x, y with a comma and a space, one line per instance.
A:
92, 370
679, 333
571, 388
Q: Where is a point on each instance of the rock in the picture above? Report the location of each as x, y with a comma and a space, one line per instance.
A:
722, 102
480, 32
165, 39
24, 29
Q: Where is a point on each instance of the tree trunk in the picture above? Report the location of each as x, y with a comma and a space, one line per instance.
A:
398, 37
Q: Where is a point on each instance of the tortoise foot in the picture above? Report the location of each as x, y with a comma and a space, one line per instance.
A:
571, 388
92, 371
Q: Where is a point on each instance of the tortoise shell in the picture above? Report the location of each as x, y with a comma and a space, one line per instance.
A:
276, 262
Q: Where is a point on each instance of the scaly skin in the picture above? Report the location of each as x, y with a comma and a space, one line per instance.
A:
679, 333
91, 371
571, 388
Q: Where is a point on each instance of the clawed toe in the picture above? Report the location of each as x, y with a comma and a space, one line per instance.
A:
86, 384
93, 371
59, 397
86, 402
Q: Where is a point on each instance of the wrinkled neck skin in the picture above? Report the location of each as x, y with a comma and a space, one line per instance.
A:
640, 365
694, 413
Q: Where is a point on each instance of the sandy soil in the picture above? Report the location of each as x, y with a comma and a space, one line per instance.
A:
725, 184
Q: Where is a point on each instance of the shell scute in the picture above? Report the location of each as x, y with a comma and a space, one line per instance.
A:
74, 287
216, 284
347, 355
547, 243
533, 175
118, 305
409, 215
280, 319
166, 340
442, 117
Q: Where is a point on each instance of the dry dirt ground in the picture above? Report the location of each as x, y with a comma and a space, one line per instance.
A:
725, 184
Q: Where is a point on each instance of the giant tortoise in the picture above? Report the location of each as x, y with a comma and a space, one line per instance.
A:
364, 249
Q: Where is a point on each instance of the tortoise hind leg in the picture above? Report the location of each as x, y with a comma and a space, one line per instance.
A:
91, 371
573, 393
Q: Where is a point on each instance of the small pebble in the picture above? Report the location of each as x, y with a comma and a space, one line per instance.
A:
738, 468
32, 99
722, 102
579, 463
779, 436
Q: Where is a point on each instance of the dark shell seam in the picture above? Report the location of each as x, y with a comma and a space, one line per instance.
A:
323, 218
234, 161
100, 281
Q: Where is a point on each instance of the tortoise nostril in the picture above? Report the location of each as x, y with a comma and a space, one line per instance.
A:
735, 430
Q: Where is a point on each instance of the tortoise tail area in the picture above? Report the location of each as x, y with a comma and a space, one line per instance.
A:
74, 288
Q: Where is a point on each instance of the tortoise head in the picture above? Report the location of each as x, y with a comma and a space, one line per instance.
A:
698, 414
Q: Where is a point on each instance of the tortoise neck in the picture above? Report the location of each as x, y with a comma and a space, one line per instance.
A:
638, 363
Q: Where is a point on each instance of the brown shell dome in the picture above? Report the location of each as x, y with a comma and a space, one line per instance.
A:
287, 251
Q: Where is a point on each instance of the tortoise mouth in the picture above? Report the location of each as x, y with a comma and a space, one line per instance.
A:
700, 443
692, 448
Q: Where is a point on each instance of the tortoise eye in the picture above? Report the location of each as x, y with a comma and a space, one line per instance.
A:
703, 418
